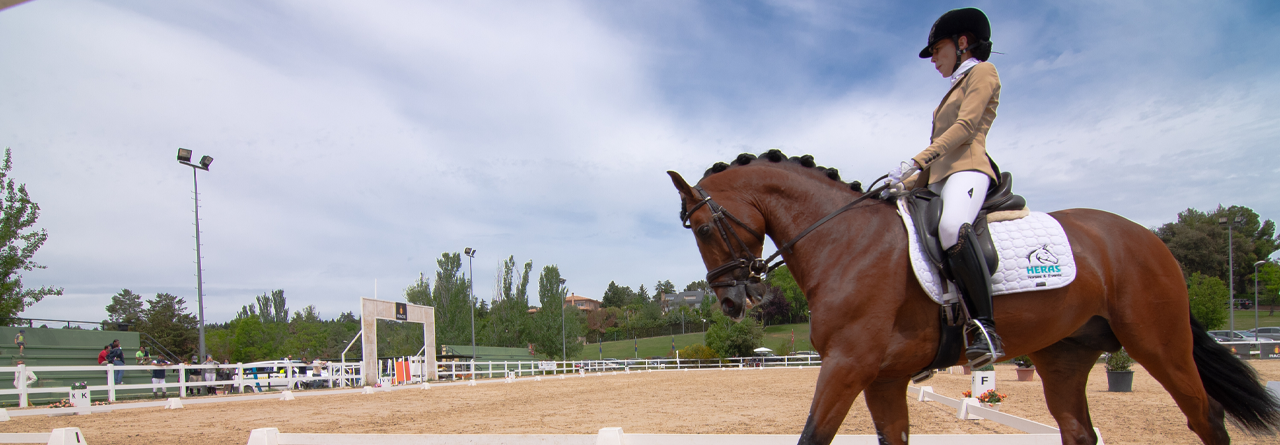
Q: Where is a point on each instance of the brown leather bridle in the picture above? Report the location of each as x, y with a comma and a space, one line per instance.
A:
748, 269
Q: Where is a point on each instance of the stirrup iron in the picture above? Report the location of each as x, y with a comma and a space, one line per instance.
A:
993, 355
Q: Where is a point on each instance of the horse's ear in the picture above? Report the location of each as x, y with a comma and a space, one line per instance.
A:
683, 187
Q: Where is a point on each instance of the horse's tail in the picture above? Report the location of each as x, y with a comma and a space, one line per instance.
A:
1234, 384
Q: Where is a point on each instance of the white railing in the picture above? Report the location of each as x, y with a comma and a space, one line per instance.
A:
256, 377
615, 436
495, 369
244, 378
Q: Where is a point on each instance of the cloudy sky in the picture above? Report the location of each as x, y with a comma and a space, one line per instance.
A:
357, 141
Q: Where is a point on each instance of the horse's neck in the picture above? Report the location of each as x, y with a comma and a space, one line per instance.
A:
860, 232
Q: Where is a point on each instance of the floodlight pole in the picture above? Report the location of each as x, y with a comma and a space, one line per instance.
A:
1255, 299
564, 355
195, 183
1231, 222
471, 255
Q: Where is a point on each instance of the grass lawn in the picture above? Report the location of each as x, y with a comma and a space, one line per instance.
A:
1244, 319
774, 336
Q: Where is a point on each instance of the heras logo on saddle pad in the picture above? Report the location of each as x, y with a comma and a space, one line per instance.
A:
1042, 263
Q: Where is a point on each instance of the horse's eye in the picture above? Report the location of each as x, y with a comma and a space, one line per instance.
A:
704, 230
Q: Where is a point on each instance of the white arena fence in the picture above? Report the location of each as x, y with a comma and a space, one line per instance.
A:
615, 436
460, 370
246, 377
275, 376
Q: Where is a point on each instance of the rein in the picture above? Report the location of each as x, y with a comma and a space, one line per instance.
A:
754, 265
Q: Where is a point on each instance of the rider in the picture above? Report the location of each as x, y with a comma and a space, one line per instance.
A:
955, 165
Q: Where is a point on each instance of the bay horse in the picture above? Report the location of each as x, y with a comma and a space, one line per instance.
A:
875, 327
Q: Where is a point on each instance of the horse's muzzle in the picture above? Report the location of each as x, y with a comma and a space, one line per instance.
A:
738, 300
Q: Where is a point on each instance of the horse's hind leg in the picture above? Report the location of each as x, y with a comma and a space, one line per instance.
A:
887, 401
1064, 367
1168, 358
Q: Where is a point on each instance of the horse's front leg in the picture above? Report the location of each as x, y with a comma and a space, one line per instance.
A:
839, 383
887, 401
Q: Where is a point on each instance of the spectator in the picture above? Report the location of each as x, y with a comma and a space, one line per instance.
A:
210, 373
142, 356
116, 357
157, 377
21, 341
31, 378
102, 356
194, 375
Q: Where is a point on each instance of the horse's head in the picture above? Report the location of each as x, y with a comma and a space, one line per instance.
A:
730, 236
1043, 255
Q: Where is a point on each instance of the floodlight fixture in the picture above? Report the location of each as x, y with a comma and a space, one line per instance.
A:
205, 161
184, 155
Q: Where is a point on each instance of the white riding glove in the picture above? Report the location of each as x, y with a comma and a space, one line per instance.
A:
904, 171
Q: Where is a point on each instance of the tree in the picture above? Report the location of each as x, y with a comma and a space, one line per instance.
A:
522, 289
775, 309
1208, 297
546, 337
451, 300
1199, 242
17, 247
615, 296
731, 339
781, 279
125, 307
641, 297
1269, 285
664, 287
419, 292
167, 320
698, 285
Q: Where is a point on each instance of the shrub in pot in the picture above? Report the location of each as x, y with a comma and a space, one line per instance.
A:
1119, 374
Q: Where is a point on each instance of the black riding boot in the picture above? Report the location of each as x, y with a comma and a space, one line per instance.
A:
969, 269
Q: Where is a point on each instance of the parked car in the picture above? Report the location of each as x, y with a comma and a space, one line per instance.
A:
1241, 303
804, 353
1249, 336
1222, 336
1268, 332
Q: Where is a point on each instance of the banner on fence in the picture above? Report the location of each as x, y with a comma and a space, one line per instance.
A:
547, 366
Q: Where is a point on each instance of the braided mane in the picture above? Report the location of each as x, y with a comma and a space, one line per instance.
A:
776, 155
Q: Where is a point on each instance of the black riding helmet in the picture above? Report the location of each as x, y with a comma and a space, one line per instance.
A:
956, 22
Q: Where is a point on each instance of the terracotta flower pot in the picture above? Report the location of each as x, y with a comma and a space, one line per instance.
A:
1026, 374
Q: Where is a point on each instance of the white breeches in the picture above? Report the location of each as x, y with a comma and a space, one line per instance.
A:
962, 196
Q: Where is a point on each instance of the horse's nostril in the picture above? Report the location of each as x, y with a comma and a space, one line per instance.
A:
728, 304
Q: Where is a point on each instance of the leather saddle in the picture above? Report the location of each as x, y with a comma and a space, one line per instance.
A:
926, 210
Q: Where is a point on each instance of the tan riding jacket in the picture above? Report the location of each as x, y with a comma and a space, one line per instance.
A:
960, 125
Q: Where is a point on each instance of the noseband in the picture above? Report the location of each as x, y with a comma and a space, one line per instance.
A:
743, 258
747, 268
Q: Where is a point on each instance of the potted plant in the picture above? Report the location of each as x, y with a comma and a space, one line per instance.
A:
1119, 374
991, 399
1026, 369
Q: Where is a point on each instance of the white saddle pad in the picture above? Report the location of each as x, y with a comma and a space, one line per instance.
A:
1034, 255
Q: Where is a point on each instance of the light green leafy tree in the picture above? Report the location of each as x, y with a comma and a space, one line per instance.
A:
167, 319
18, 245
1208, 297
125, 307
547, 335
731, 339
1269, 285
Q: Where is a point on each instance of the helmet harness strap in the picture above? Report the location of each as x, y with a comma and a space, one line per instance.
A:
960, 51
